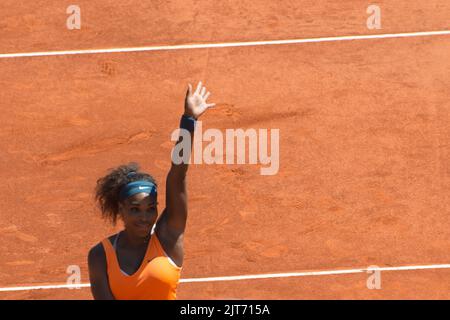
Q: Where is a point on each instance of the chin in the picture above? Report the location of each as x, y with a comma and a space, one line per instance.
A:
143, 233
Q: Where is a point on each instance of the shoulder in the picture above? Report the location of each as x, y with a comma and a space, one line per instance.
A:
97, 254
97, 251
98, 274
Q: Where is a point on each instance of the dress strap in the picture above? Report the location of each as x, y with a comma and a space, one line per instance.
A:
109, 252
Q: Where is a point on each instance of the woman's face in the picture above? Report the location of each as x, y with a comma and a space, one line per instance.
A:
139, 213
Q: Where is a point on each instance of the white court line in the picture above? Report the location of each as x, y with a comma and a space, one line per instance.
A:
225, 44
251, 277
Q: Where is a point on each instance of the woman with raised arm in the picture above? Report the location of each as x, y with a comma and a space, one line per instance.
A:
144, 260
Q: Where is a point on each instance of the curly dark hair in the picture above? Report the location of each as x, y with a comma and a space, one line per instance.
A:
108, 188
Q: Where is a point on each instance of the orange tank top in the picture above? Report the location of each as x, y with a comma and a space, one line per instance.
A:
156, 278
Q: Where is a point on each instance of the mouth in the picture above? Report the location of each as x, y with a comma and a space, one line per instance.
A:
143, 226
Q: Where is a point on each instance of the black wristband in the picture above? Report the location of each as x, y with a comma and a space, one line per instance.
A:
187, 123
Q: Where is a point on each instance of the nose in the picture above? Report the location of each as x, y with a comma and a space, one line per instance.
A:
145, 216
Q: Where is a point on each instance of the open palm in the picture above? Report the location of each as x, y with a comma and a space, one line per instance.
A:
195, 104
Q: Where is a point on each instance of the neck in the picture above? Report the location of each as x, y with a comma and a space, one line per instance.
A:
134, 241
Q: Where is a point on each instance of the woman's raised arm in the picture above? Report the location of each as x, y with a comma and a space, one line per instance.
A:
175, 215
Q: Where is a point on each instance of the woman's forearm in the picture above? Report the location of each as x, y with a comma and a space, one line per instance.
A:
183, 147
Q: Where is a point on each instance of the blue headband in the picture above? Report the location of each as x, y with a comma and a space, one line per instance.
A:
137, 187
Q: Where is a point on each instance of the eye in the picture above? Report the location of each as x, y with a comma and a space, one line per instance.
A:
134, 209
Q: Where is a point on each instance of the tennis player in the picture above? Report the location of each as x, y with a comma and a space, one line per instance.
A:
144, 260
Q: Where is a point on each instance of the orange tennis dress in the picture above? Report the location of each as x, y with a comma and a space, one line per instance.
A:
156, 279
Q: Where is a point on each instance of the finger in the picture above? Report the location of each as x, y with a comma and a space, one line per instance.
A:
199, 86
189, 92
206, 95
210, 105
202, 93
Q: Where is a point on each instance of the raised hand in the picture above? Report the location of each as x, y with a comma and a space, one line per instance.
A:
195, 103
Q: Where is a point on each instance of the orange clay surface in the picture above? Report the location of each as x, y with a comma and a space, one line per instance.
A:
364, 174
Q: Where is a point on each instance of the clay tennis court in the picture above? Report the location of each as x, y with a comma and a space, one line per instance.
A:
364, 176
